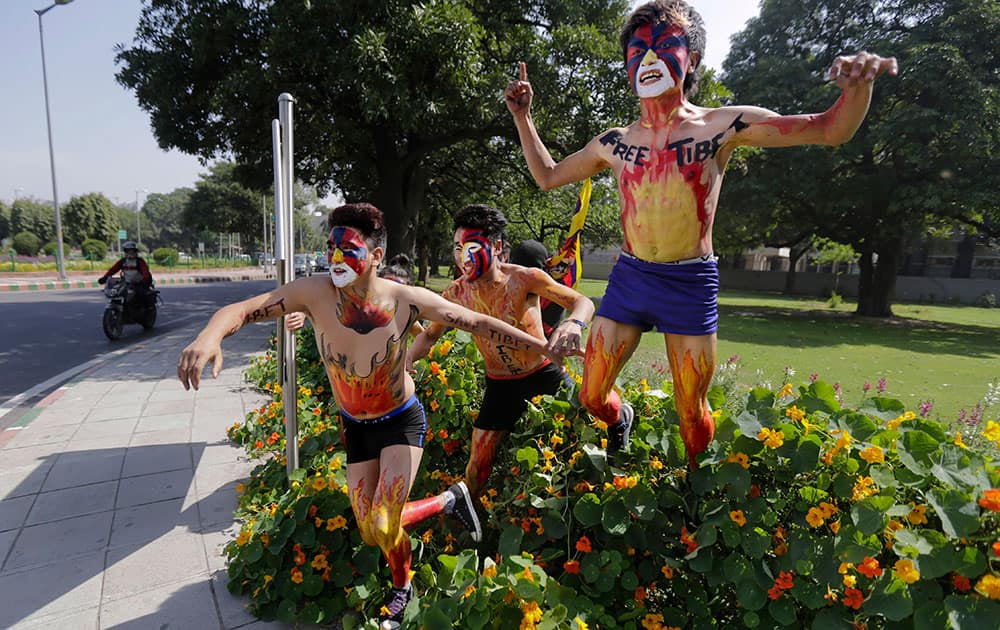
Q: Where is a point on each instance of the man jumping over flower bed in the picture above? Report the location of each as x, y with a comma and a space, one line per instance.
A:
361, 323
510, 293
669, 166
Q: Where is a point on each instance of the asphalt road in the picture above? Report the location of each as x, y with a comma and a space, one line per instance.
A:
44, 333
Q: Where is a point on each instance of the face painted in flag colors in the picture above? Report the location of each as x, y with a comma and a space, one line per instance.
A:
656, 59
474, 252
348, 255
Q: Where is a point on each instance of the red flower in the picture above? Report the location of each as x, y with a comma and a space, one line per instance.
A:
869, 567
640, 594
853, 598
996, 548
258, 444
784, 581
443, 434
312, 511
774, 592
273, 438
754, 491
571, 566
584, 545
960, 582
990, 500
688, 540
451, 446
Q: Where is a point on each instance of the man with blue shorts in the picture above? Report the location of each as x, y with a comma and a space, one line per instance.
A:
669, 166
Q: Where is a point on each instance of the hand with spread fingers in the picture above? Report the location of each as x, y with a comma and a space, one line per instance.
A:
565, 341
518, 93
853, 70
193, 360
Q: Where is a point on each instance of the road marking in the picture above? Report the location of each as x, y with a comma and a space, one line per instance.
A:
66, 375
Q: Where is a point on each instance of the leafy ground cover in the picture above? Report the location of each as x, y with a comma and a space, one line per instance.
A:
804, 512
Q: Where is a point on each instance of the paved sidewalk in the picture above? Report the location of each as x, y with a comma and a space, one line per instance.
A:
117, 497
10, 282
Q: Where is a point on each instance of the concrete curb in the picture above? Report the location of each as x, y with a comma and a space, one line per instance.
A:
12, 287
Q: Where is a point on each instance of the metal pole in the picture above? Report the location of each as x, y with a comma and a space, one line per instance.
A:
138, 230
290, 385
52, 157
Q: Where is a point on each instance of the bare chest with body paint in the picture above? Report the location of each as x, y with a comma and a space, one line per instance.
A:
362, 341
509, 301
669, 179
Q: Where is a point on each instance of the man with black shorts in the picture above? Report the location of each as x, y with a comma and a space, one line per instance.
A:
361, 325
510, 293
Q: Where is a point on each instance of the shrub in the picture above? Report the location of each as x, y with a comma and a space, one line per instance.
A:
803, 513
987, 300
165, 256
26, 243
50, 249
94, 249
834, 300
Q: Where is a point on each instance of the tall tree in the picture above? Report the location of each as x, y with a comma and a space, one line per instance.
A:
928, 151
165, 212
4, 221
37, 217
90, 216
220, 203
381, 87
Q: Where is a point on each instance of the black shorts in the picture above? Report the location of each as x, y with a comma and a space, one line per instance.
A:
364, 439
507, 398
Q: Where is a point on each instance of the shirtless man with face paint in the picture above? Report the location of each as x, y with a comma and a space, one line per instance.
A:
510, 293
361, 323
669, 166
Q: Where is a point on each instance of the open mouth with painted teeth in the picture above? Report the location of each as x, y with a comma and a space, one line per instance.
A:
650, 77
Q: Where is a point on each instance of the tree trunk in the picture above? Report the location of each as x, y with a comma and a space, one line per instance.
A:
878, 279
423, 264
793, 258
398, 194
964, 254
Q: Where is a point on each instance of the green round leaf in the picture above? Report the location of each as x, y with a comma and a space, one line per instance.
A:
750, 596
615, 517
588, 510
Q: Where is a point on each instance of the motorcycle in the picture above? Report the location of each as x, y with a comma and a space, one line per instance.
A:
125, 306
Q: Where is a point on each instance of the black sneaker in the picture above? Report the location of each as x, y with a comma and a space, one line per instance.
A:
464, 509
618, 434
395, 604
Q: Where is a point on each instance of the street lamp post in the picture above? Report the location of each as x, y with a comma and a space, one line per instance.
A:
48, 122
138, 230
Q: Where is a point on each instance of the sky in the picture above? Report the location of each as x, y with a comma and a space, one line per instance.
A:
102, 139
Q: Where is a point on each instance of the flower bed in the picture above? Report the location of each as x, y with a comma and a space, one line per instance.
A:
803, 513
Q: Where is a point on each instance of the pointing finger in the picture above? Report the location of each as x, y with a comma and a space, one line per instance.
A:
524, 70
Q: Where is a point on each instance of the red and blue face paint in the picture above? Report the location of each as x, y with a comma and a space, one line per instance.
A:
653, 51
348, 255
477, 253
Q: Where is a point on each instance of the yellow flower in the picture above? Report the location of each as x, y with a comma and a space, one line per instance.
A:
905, 571
918, 515
243, 538
449, 392
958, 441
844, 567
655, 463
532, 614
850, 581
548, 454
771, 438
795, 413
319, 562
835, 526
240, 488
490, 571
827, 509
738, 517
740, 458
786, 390
335, 464
864, 488
296, 576
992, 431
814, 517
555, 440
335, 523
444, 347
319, 484
989, 586
872, 455
469, 590
536, 400
580, 624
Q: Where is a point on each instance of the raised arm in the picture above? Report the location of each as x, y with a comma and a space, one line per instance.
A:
207, 347
855, 75
547, 172
440, 310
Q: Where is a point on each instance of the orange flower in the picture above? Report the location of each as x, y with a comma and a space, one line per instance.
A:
319, 562
443, 434
990, 500
774, 592
688, 540
738, 517
258, 444
435, 405
667, 571
870, 568
571, 566
296, 576
435, 368
583, 545
273, 438
640, 594
960, 582
853, 598
784, 581
490, 571
312, 511
996, 548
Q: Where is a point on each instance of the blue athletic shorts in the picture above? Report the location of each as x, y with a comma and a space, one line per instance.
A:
679, 298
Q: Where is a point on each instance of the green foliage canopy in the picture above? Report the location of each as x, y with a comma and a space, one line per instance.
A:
89, 216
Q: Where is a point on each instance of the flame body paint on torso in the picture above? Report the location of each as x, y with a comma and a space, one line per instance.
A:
669, 173
363, 345
510, 301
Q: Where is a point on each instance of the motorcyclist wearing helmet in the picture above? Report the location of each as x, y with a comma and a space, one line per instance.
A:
134, 270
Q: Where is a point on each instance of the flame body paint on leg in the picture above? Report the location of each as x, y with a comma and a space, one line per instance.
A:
379, 518
692, 375
484, 450
601, 365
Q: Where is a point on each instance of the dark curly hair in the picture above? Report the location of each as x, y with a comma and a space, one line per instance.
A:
482, 217
363, 217
676, 12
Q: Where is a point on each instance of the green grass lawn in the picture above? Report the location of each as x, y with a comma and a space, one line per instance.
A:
945, 354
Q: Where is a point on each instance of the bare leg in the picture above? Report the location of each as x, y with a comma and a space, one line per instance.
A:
692, 362
378, 493
609, 347
484, 451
